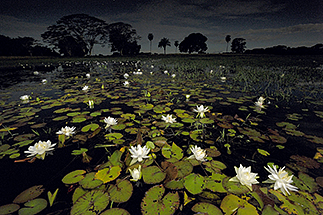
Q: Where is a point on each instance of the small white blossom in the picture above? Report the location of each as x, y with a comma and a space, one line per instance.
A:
25, 98
44, 81
187, 96
36, 73
169, 118
135, 173
126, 83
245, 176
67, 131
281, 179
85, 88
138, 153
201, 110
223, 79
88, 75
40, 149
198, 153
173, 75
259, 103
165, 72
126, 75
91, 104
110, 121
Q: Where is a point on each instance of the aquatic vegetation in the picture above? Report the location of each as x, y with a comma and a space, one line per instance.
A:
178, 162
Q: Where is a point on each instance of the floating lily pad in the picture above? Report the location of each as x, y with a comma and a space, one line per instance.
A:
74, 177
108, 174
175, 184
60, 118
121, 191
92, 202
33, 207
8, 209
234, 187
29, 194
214, 183
184, 168
154, 202
231, 203
91, 127
115, 211
90, 182
206, 208
153, 175
194, 183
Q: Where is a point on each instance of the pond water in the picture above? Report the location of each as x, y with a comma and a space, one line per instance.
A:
234, 131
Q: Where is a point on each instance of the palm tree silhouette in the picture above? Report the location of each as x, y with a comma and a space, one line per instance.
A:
228, 39
176, 43
150, 38
163, 43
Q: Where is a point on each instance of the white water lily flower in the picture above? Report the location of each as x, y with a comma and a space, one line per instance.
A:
126, 75
260, 102
165, 72
245, 176
201, 110
67, 131
85, 88
126, 83
187, 96
25, 98
91, 104
135, 173
138, 153
198, 153
110, 121
173, 75
169, 118
88, 75
44, 81
223, 79
40, 149
36, 73
281, 179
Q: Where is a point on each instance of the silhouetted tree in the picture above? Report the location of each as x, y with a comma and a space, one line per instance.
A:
123, 39
150, 38
83, 30
227, 39
238, 45
176, 44
163, 43
195, 42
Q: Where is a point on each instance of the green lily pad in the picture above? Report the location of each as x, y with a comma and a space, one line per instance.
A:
207, 208
74, 177
121, 191
194, 183
305, 182
154, 202
108, 174
33, 207
214, 166
29, 194
91, 127
206, 121
8, 209
92, 202
90, 182
78, 192
172, 152
113, 136
60, 118
233, 204
184, 168
175, 184
153, 175
214, 183
115, 211
78, 119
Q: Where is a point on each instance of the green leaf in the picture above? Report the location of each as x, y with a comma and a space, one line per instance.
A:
263, 152
232, 204
9, 208
92, 202
194, 183
115, 211
121, 191
91, 127
33, 207
206, 208
74, 177
154, 203
153, 175
29, 194
52, 197
108, 174
90, 182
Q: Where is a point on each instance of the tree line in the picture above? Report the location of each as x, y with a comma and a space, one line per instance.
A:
75, 36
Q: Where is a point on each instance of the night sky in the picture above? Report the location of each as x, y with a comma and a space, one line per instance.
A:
262, 23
